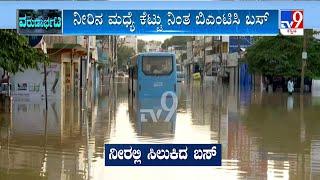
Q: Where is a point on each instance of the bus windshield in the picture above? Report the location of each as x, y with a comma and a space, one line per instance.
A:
157, 65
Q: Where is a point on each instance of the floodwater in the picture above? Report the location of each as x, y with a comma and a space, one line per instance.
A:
263, 135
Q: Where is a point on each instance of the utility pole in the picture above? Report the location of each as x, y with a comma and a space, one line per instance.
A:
220, 53
304, 60
239, 47
204, 58
44, 49
239, 58
212, 60
192, 58
116, 53
88, 60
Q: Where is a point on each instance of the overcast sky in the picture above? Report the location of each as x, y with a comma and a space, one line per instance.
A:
154, 37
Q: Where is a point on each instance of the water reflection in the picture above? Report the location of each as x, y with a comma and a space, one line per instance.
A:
264, 136
151, 120
290, 103
39, 146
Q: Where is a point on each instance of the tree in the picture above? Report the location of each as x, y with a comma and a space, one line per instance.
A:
16, 54
124, 53
313, 60
183, 56
141, 45
176, 40
281, 56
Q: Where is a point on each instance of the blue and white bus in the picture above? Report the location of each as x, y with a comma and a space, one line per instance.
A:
152, 86
152, 74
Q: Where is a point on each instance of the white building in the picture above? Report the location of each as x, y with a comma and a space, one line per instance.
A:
317, 33
153, 46
130, 41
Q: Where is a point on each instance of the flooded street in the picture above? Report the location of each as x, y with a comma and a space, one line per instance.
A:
263, 136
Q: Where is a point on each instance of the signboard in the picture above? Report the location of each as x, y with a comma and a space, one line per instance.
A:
139, 22
173, 22
34, 40
163, 154
30, 83
291, 23
176, 22
242, 41
36, 22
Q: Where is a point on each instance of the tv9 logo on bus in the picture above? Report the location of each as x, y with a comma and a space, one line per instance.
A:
291, 22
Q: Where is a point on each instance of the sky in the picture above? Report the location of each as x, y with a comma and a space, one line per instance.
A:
154, 37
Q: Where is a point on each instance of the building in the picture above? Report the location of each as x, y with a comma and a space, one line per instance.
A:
215, 56
153, 46
130, 41
69, 68
107, 53
207, 52
316, 35
179, 51
63, 73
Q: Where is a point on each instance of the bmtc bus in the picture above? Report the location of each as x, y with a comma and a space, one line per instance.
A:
152, 74
152, 87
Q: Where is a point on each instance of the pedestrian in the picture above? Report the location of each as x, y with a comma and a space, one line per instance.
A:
290, 86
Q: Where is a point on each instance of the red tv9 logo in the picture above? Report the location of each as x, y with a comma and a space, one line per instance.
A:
297, 17
291, 22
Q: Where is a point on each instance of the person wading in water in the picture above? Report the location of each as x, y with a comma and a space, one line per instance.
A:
290, 86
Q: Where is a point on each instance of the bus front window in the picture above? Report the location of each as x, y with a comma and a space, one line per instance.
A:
157, 65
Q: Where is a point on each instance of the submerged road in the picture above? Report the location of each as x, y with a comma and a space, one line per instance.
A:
263, 136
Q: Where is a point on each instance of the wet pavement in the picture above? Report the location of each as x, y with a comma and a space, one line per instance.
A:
263, 136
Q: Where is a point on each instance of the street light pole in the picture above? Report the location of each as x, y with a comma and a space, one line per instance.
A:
44, 49
304, 58
221, 56
88, 60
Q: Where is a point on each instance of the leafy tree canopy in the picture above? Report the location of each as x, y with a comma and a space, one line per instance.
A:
176, 40
124, 53
141, 45
281, 56
16, 54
